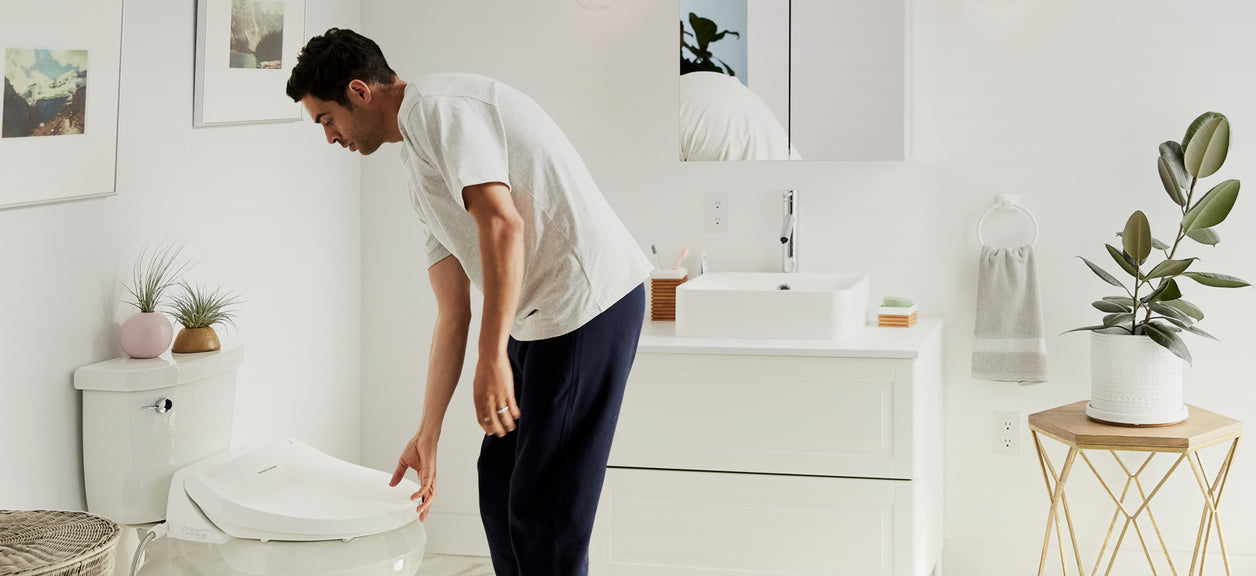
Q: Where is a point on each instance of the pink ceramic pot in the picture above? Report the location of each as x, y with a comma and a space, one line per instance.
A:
146, 335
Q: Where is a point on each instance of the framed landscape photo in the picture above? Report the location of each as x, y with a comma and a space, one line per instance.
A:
245, 51
59, 112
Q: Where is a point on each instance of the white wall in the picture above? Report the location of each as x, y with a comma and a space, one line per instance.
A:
274, 214
1060, 100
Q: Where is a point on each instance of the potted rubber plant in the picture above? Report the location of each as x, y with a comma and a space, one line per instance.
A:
198, 309
1137, 353
147, 333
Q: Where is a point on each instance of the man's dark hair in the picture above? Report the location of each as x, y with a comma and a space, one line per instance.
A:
329, 62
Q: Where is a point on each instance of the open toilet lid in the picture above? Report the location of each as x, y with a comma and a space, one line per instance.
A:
289, 491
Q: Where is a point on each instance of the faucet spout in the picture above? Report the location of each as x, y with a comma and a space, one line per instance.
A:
789, 231
787, 228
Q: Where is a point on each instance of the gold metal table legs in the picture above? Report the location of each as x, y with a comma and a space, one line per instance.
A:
1211, 490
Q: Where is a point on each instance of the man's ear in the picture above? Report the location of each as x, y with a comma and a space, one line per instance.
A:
359, 91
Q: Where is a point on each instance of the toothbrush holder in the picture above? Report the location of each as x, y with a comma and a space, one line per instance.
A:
663, 285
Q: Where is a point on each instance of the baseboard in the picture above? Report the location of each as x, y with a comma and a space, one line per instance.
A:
1000, 558
463, 535
455, 534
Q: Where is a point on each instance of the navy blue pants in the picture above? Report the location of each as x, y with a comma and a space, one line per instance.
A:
540, 484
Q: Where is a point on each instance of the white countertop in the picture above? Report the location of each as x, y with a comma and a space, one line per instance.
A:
872, 342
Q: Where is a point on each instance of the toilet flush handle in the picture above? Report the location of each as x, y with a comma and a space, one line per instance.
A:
162, 405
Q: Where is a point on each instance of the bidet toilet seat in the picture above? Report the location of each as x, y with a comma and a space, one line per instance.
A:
289, 491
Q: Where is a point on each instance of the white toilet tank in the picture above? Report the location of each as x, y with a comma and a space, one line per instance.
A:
145, 419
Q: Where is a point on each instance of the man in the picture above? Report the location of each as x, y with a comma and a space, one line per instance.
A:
510, 207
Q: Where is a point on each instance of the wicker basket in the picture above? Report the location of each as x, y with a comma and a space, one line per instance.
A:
56, 543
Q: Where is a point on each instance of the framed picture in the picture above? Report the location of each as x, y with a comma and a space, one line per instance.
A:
59, 113
245, 51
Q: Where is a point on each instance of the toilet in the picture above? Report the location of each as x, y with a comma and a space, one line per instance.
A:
157, 456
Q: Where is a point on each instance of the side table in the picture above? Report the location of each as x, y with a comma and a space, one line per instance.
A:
1070, 426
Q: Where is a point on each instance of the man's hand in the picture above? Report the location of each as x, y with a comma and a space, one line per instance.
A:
495, 406
419, 454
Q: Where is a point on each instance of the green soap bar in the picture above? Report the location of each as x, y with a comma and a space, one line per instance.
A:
896, 302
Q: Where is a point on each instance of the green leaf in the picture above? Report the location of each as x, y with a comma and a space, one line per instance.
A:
1117, 319
1194, 330
1207, 236
1170, 185
1167, 291
1123, 261
1170, 268
1216, 280
1164, 337
1102, 273
1155, 294
1186, 308
1206, 144
1087, 328
1123, 300
1136, 239
1172, 313
1172, 171
1155, 243
1195, 124
1172, 325
1213, 207
1110, 306
1204, 236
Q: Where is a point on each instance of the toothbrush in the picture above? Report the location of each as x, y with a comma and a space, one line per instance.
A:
655, 249
683, 253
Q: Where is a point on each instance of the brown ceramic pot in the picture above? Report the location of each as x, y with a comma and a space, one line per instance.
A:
192, 340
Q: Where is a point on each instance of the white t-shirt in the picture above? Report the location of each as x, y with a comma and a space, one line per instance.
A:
460, 130
722, 119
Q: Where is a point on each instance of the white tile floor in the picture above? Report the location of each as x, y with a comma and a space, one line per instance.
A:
439, 565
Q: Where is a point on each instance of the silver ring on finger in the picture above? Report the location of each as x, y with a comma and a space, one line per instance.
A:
503, 409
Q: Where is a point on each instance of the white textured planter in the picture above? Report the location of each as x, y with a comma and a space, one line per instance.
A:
1134, 381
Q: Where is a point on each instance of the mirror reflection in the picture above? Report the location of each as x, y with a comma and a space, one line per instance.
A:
792, 80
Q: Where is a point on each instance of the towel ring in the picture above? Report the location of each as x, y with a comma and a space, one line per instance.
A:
1003, 203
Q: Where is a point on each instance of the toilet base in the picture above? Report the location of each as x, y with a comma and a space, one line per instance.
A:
396, 553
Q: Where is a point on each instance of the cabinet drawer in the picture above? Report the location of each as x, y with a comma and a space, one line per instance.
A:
665, 523
776, 414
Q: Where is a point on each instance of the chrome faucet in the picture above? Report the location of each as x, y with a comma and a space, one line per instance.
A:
789, 231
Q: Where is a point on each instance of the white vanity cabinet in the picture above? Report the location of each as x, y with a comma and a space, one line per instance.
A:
739, 456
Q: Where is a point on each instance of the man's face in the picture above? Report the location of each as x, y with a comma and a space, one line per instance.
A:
354, 128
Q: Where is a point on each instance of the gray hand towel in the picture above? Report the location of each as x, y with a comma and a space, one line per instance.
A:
1008, 343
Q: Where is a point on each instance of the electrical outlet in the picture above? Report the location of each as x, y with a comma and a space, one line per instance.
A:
715, 211
1007, 432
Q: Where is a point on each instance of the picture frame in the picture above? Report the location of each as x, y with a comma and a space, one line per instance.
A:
59, 111
245, 51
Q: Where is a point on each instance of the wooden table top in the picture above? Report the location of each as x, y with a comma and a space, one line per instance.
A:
1070, 425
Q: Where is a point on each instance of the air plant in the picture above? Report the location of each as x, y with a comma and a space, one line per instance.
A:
199, 307
155, 272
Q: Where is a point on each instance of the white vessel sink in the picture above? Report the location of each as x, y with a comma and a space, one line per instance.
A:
772, 305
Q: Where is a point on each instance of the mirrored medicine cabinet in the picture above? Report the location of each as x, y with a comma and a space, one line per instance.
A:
793, 80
